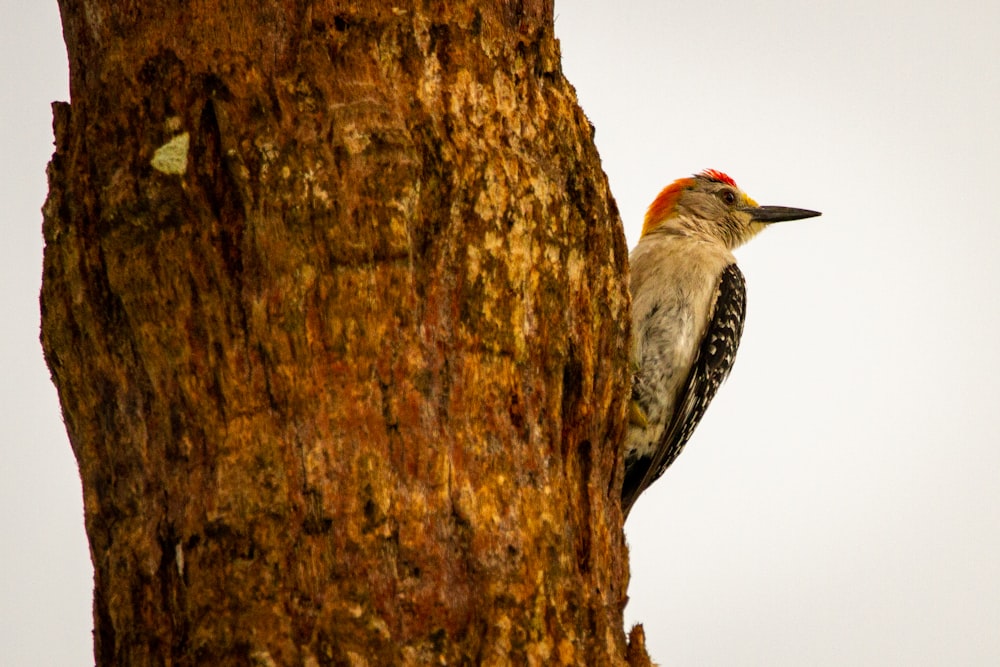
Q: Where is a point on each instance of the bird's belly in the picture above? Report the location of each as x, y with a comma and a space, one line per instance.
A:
666, 350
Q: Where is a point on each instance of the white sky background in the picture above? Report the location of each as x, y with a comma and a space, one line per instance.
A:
840, 504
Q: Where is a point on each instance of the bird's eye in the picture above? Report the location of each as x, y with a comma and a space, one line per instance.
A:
729, 197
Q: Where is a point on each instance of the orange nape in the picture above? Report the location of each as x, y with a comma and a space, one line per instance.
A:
664, 203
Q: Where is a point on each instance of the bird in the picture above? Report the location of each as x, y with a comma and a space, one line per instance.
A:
688, 307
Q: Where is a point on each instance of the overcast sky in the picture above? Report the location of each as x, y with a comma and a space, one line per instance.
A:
840, 504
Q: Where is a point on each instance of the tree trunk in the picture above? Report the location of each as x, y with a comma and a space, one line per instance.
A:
336, 304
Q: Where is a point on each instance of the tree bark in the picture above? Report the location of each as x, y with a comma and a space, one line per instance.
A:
336, 303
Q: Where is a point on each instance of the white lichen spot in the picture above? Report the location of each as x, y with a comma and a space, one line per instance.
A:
320, 195
519, 244
474, 262
574, 267
542, 189
355, 141
179, 559
430, 82
263, 658
172, 157
173, 124
492, 242
356, 659
268, 152
494, 199
94, 18
552, 254
380, 627
567, 654
505, 94
306, 276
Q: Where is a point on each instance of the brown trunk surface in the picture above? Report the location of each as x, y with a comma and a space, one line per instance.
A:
335, 302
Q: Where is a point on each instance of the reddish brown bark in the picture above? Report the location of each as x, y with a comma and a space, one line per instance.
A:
334, 298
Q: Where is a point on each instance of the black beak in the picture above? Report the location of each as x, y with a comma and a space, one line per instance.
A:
781, 213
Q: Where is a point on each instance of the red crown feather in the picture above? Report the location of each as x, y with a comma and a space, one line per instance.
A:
718, 176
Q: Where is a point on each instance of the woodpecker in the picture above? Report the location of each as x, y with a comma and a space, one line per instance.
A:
688, 303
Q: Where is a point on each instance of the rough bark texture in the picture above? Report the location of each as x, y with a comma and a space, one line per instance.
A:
334, 299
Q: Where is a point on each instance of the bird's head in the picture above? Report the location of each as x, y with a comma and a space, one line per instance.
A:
709, 204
